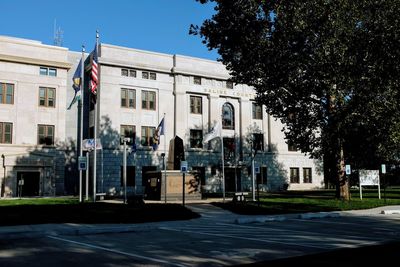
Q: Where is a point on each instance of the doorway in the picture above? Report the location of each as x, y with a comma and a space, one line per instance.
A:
28, 184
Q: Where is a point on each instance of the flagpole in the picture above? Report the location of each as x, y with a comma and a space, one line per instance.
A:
81, 122
165, 163
95, 129
223, 168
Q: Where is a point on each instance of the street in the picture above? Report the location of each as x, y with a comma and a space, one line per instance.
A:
208, 241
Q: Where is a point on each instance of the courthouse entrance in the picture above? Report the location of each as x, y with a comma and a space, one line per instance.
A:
28, 184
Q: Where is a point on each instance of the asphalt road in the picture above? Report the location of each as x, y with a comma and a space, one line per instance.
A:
209, 241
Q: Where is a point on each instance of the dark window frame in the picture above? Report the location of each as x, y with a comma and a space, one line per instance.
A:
3, 132
258, 139
146, 102
46, 71
46, 99
257, 111
294, 179
131, 130
228, 118
4, 93
196, 104
229, 84
48, 139
196, 138
197, 80
307, 177
146, 139
125, 92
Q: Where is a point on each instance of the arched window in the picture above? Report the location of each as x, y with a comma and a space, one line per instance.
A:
228, 117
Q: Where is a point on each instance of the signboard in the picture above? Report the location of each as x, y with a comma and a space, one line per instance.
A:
88, 144
82, 163
383, 168
184, 166
348, 170
369, 177
257, 169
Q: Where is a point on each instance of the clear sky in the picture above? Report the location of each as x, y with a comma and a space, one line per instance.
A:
155, 25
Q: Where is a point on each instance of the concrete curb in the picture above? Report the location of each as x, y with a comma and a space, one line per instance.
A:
390, 212
279, 218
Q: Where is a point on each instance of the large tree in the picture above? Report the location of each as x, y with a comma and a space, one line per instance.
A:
328, 69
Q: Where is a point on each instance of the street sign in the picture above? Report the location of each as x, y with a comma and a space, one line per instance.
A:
82, 163
383, 167
88, 144
348, 170
257, 169
184, 166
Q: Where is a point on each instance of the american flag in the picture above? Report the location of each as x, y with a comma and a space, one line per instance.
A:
94, 81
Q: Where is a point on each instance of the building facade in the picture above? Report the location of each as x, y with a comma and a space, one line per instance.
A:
137, 90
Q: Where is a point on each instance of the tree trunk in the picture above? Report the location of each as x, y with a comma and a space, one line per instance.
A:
342, 188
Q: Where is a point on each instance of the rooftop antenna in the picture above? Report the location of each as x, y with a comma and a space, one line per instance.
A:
58, 35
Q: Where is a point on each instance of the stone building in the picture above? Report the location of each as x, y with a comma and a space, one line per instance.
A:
38, 135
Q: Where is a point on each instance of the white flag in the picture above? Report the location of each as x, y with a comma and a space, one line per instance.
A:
215, 132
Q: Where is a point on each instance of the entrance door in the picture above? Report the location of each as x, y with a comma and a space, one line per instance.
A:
232, 181
151, 181
28, 184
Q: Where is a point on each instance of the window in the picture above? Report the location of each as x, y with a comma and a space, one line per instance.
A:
6, 93
294, 175
145, 75
128, 72
132, 73
128, 98
307, 176
45, 71
130, 132
229, 148
148, 100
124, 72
47, 97
153, 76
130, 175
262, 177
257, 112
195, 104
258, 141
5, 132
229, 84
147, 135
197, 80
292, 147
45, 134
196, 138
228, 117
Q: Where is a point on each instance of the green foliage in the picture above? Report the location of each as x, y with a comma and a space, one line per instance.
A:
329, 70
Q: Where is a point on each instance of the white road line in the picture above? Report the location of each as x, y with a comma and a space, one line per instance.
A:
371, 239
116, 251
241, 237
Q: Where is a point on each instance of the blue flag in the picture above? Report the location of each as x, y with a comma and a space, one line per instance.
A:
76, 84
158, 132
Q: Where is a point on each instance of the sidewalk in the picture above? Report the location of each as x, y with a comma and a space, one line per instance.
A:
206, 210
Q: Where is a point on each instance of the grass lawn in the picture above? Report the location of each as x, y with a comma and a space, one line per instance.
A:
312, 201
69, 210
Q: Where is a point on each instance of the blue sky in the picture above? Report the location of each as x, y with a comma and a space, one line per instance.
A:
155, 25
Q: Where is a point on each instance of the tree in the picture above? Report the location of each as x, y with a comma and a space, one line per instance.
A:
328, 69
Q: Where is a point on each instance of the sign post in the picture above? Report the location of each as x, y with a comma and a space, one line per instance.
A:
184, 167
370, 177
82, 163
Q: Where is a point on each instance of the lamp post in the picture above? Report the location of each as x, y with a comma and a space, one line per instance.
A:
124, 140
